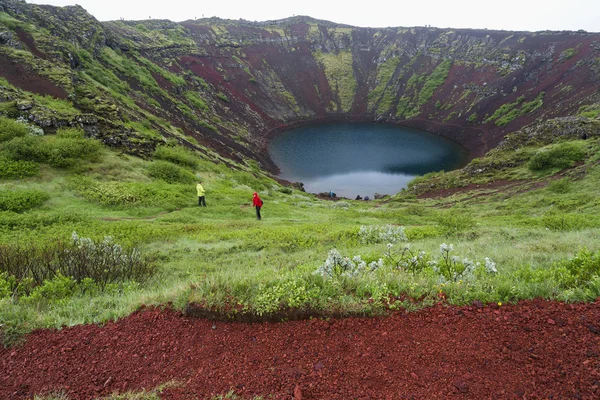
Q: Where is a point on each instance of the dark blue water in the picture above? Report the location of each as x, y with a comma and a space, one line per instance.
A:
361, 158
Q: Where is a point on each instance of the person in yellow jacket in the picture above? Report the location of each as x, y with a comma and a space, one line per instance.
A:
201, 192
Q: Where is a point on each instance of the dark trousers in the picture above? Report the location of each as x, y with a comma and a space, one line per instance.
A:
201, 201
258, 212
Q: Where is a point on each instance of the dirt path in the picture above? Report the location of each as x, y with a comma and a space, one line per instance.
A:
532, 350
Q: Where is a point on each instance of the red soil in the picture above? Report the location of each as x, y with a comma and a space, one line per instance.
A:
532, 350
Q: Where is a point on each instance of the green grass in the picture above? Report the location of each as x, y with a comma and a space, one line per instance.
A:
220, 256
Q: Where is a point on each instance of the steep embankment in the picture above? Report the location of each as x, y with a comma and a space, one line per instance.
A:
228, 85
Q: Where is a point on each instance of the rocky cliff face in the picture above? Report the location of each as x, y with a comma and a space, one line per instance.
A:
232, 84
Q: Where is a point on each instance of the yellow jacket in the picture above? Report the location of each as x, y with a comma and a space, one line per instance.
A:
200, 190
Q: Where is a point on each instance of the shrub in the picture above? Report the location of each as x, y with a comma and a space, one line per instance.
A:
453, 222
21, 200
10, 129
157, 193
10, 169
292, 294
67, 151
9, 108
580, 270
561, 186
49, 270
337, 266
106, 193
26, 148
565, 222
58, 288
381, 234
407, 259
5, 285
560, 156
177, 155
170, 173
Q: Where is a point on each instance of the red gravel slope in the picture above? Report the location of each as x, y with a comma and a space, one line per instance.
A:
532, 350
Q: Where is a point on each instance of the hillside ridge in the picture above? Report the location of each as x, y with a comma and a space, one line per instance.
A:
230, 85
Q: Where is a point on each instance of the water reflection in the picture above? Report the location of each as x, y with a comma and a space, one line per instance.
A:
365, 158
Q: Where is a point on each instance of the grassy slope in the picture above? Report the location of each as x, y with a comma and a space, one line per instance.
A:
222, 257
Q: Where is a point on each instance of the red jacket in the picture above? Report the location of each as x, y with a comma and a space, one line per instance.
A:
256, 200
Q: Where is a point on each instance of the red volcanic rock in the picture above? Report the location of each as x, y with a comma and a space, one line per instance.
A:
437, 353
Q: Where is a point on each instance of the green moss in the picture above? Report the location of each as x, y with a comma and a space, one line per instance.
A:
12, 23
64, 107
340, 75
385, 73
433, 81
508, 112
591, 111
566, 54
144, 128
169, 76
196, 100
223, 97
131, 70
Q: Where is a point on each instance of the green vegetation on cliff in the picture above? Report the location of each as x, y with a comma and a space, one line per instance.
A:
339, 72
508, 112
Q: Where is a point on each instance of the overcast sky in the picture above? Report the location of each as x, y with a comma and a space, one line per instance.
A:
528, 15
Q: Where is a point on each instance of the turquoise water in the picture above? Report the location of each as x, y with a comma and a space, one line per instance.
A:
353, 159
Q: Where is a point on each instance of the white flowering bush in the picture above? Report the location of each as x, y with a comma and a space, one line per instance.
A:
381, 234
335, 265
449, 268
453, 268
407, 259
83, 261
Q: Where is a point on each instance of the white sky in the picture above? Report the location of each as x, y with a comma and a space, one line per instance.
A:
527, 15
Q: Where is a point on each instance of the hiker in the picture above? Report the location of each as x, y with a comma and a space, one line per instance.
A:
257, 203
358, 197
201, 192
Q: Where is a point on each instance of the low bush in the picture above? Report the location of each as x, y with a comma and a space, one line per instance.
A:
170, 173
54, 269
336, 266
67, 151
381, 234
21, 200
565, 222
157, 193
61, 151
26, 148
11, 169
453, 222
10, 129
560, 156
580, 270
560, 186
177, 155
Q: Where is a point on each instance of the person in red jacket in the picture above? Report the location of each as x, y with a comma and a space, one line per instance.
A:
257, 203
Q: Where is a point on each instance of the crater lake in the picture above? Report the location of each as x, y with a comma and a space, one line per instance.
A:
353, 159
